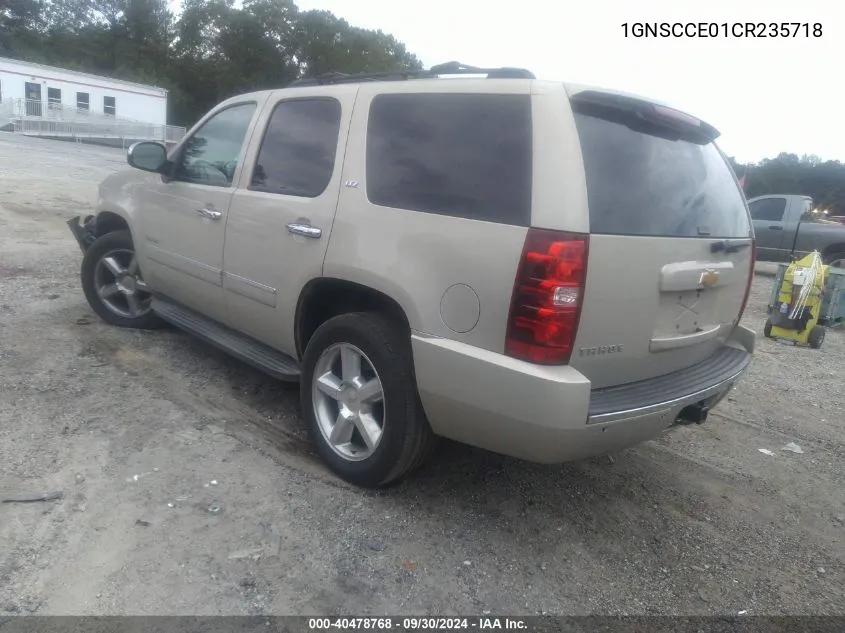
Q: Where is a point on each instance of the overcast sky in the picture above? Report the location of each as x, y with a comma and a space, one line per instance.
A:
764, 95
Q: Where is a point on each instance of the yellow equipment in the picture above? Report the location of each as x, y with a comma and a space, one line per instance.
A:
796, 310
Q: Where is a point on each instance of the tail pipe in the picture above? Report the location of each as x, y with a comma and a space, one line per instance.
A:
694, 414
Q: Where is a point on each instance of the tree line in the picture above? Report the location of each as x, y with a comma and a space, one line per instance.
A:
210, 51
823, 181
214, 49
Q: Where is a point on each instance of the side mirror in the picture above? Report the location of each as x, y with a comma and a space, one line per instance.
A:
147, 155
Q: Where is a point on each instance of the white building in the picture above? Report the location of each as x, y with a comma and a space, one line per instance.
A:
46, 89
40, 100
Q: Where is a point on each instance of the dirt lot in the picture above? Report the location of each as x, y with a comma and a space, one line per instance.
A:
147, 434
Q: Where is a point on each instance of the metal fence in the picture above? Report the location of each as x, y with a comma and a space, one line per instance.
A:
41, 119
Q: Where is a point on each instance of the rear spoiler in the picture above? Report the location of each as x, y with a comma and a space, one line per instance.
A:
644, 116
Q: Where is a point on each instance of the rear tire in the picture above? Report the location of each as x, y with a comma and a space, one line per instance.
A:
816, 337
767, 329
360, 402
113, 285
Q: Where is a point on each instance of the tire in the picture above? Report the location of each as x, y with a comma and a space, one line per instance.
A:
767, 329
816, 337
400, 436
837, 260
109, 266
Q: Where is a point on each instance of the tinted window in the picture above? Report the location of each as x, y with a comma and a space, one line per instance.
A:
641, 184
466, 155
210, 156
298, 151
768, 209
109, 105
54, 96
82, 100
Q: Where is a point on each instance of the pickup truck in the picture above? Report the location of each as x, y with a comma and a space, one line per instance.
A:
788, 227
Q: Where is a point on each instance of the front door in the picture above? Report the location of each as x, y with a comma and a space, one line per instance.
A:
768, 215
281, 216
33, 99
182, 216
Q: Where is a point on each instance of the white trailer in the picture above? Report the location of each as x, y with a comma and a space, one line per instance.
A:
50, 101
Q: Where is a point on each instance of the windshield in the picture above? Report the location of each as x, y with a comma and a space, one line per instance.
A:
642, 184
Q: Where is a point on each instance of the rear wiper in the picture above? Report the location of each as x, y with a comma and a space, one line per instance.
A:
729, 246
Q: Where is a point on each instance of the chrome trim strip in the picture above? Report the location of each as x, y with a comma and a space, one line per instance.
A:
249, 289
184, 265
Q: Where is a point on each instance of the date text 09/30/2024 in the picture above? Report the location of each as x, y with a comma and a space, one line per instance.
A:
484, 623
694, 30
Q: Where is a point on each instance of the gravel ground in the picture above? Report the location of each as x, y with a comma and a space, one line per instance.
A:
188, 486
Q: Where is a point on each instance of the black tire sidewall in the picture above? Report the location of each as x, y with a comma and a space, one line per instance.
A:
102, 245
767, 329
369, 333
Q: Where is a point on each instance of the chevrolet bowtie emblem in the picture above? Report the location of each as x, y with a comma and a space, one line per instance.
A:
708, 278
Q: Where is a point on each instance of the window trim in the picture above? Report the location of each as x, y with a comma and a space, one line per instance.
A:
87, 102
113, 106
764, 200
528, 97
250, 187
178, 151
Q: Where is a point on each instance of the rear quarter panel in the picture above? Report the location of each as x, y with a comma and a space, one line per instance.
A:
453, 277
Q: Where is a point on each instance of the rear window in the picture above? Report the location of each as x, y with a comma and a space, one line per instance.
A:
462, 155
640, 184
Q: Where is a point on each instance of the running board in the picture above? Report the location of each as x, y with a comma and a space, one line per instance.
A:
242, 347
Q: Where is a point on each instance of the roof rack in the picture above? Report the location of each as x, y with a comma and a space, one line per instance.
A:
449, 68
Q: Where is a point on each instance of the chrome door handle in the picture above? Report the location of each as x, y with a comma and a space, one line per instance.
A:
211, 214
306, 230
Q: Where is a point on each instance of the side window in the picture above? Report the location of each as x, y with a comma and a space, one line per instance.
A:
210, 156
54, 98
768, 209
82, 102
299, 147
464, 155
109, 106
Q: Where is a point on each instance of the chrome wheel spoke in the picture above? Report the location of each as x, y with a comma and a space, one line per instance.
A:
329, 384
350, 361
371, 391
341, 431
132, 269
345, 390
369, 429
113, 265
109, 290
133, 303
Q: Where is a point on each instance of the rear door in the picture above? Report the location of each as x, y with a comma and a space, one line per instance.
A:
670, 249
280, 220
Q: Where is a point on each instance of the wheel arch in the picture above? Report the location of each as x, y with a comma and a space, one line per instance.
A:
109, 221
327, 297
838, 248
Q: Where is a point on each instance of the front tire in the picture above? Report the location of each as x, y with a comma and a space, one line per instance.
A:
113, 285
360, 401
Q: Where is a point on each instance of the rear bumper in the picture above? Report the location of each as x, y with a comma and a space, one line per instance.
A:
83, 231
550, 414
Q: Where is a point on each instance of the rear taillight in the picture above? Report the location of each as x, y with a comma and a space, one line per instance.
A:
547, 297
749, 282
